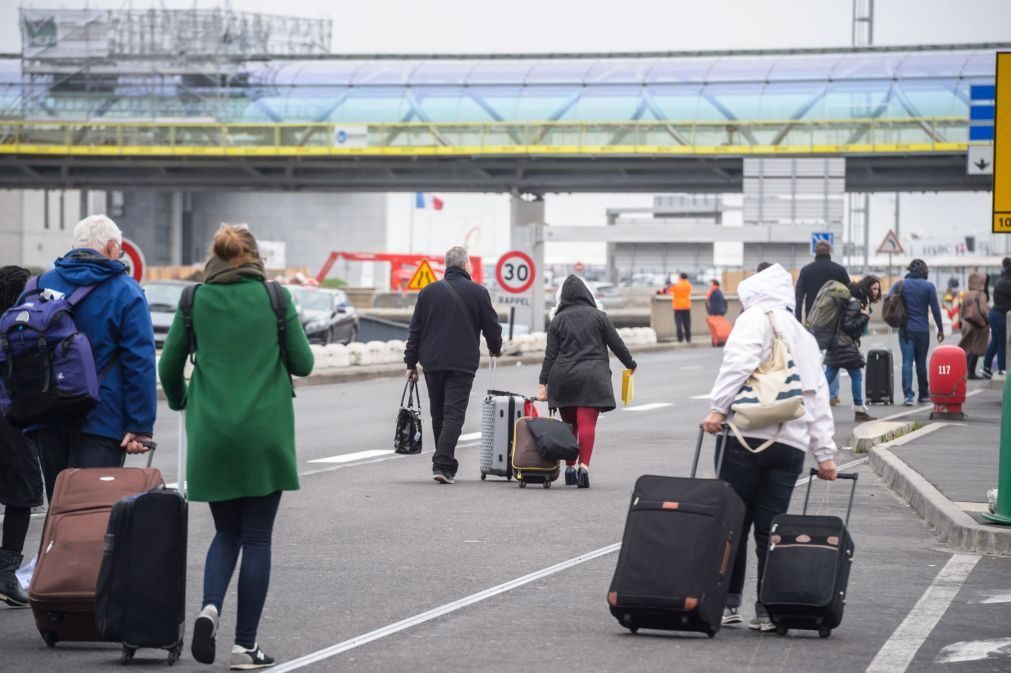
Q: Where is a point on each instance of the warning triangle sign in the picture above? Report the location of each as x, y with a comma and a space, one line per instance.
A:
891, 245
423, 277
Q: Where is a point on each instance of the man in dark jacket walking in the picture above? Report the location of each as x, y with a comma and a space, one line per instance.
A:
920, 298
444, 337
117, 322
815, 275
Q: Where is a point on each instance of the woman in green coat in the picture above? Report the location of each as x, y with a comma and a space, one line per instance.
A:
240, 427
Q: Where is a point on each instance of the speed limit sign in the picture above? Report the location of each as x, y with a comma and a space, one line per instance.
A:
515, 272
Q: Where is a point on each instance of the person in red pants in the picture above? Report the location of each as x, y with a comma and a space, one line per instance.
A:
576, 374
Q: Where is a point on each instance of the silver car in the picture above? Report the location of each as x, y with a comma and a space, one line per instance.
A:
163, 300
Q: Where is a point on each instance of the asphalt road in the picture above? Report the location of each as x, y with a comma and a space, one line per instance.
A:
378, 569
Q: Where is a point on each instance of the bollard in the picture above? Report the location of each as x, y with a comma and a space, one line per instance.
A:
948, 374
1002, 508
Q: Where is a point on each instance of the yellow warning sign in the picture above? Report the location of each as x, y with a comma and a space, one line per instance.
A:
423, 277
1002, 147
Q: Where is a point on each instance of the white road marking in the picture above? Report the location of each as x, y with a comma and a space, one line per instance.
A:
404, 624
994, 598
973, 650
470, 436
333, 650
898, 651
648, 407
351, 457
699, 397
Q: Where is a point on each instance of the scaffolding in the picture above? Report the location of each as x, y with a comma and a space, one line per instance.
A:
154, 63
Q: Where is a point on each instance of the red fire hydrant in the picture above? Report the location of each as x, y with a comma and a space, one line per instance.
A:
948, 373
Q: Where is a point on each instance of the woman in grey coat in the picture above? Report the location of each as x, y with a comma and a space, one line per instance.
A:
576, 374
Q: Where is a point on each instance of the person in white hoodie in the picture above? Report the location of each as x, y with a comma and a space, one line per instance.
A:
765, 480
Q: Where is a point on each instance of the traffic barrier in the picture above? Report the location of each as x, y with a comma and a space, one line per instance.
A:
318, 353
646, 335
375, 353
396, 348
356, 354
336, 356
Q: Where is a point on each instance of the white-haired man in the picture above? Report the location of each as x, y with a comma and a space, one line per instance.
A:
115, 317
448, 319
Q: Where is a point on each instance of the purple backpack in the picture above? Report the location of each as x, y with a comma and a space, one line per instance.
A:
47, 369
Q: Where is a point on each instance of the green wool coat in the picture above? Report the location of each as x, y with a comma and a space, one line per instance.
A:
240, 421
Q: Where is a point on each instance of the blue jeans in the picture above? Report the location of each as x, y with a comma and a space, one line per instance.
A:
914, 347
833, 385
856, 381
998, 341
244, 524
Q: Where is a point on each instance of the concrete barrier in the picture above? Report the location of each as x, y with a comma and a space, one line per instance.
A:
356, 354
337, 356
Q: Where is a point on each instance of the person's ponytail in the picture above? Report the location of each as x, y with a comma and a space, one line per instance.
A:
234, 244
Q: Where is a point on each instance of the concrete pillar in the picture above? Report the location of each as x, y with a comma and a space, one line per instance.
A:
175, 255
526, 235
612, 253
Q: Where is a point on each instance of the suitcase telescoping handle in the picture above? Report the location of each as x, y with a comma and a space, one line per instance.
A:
852, 476
721, 449
491, 372
150, 445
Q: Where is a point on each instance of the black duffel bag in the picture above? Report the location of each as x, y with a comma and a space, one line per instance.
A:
554, 440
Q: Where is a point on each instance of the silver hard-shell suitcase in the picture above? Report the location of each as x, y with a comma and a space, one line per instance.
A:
499, 413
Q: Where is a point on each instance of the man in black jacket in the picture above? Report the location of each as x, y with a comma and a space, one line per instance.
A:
445, 330
815, 275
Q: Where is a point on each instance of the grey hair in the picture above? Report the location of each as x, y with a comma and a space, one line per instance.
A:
95, 232
457, 256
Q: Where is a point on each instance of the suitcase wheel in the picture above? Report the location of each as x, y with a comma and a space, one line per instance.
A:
782, 630
711, 634
547, 484
49, 637
483, 476
824, 633
127, 655
522, 483
509, 477
633, 629
175, 653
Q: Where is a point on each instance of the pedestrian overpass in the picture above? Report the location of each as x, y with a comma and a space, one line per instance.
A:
677, 122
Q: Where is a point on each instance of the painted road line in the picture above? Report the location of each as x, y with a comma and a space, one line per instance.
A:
351, 457
898, 651
470, 436
364, 639
404, 624
648, 407
974, 650
700, 397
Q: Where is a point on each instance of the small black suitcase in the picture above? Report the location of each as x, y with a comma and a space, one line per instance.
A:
141, 594
680, 540
808, 569
880, 382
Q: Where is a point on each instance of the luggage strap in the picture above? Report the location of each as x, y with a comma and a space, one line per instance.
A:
852, 476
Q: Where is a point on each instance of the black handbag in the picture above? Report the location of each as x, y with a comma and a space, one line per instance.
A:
407, 439
553, 439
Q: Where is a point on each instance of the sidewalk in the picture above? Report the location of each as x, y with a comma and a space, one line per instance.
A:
944, 469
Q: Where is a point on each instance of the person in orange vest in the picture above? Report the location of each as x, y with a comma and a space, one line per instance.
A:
682, 304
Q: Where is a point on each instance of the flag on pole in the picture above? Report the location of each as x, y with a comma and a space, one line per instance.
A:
422, 200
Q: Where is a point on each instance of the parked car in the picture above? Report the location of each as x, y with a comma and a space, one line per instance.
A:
163, 300
607, 295
327, 316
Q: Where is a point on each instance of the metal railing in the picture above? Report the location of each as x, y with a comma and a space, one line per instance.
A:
858, 136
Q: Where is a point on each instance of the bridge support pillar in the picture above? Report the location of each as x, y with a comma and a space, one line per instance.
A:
176, 229
526, 234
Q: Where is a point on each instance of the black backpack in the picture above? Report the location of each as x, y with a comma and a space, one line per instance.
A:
277, 303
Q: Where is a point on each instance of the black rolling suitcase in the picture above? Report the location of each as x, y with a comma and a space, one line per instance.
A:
808, 569
879, 383
681, 537
141, 594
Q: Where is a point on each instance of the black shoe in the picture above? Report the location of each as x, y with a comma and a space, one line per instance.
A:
987, 374
443, 477
249, 660
583, 478
570, 476
205, 633
10, 587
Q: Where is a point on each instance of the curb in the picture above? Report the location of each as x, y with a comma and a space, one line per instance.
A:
872, 433
950, 524
392, 370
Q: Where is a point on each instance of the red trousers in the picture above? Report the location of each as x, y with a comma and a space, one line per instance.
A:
584, 422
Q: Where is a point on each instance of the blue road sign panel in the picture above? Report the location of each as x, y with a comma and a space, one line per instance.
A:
981, 133
981, 113
983, 92
821, 236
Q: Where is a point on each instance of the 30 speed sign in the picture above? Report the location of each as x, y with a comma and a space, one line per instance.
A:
515, 272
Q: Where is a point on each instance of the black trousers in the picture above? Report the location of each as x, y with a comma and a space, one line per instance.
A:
448, 395
764, 481
683, 322
60, 448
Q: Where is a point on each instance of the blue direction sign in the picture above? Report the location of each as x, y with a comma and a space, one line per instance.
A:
822, 236
981, 109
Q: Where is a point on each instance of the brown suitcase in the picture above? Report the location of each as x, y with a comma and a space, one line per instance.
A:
62, 590
528, 466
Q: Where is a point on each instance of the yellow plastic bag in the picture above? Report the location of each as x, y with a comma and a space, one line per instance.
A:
627, 387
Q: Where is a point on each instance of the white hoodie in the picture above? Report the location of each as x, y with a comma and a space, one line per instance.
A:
750, 344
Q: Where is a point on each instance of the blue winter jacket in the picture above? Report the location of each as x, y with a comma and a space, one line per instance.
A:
920, 296
117, 322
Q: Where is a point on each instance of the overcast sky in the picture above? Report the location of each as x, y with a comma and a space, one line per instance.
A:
525, 26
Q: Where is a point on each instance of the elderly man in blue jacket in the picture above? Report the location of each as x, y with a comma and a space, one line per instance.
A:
117, 322
920, 298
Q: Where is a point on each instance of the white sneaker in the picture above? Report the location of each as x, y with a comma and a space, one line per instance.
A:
731, 616
205, 631
249, 660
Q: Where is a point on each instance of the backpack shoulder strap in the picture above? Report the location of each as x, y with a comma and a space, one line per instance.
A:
186, 308
280, 307
80, 294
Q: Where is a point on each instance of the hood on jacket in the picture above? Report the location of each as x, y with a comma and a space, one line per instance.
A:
573, 294
83, 266
769, 289
977, 281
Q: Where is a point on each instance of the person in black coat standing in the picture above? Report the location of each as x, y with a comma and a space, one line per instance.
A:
815, 275
444, 337
576, 374
20, 475
844, 350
